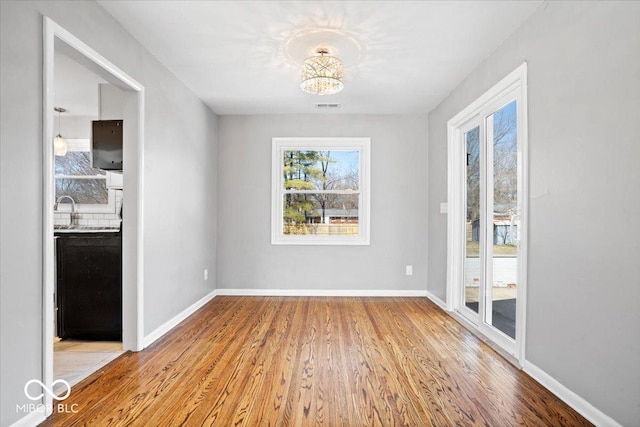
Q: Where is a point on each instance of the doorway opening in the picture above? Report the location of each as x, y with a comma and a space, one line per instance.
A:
59, 42
487, 223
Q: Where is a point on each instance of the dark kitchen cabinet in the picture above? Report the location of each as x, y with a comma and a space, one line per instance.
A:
89, 286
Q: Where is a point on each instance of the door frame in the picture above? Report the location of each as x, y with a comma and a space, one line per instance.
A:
55, 38
456, 180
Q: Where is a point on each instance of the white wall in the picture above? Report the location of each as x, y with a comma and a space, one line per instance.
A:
246, 258
180, 183
583, 325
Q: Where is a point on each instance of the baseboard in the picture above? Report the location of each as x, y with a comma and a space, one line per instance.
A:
173, 322
322, 292
437, 301
32, 419
583, 407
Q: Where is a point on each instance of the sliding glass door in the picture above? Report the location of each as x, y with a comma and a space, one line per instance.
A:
487, 225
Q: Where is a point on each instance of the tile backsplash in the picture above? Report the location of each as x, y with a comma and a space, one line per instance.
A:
93, 219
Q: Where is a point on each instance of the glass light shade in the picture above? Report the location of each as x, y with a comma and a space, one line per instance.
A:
59, 146
322, 75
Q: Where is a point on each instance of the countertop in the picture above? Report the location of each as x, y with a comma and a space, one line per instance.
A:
65, 229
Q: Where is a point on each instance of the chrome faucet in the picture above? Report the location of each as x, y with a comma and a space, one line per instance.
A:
74, 215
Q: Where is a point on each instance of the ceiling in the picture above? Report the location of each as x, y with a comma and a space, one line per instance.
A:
243, 57
75, 87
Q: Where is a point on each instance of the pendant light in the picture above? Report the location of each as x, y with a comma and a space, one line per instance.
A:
322, 74
59, 144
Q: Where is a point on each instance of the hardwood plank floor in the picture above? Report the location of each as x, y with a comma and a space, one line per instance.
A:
298, 361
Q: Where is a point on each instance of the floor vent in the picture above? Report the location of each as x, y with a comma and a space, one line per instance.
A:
327, 106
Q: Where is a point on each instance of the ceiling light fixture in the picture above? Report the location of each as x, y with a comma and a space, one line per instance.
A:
322, 74
59, 144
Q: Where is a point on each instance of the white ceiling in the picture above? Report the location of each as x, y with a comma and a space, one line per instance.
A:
242, 57
75, 87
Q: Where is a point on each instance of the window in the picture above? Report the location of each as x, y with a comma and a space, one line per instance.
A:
320, 189
75, 177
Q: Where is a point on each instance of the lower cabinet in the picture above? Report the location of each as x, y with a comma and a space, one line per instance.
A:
89, 286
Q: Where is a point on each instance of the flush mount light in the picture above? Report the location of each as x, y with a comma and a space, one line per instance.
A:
59, 143
322, 74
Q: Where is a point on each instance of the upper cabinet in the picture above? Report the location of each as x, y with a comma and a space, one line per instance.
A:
107, 132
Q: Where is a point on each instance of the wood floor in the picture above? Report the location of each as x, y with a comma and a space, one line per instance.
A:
296, 361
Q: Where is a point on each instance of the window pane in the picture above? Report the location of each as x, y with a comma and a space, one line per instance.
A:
505, 220
76, 163
321, 170
321, 214
84, 191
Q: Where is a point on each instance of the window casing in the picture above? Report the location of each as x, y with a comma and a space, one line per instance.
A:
320, 191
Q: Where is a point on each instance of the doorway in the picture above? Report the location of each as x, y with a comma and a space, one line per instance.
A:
487, 223
57, 39
87, 228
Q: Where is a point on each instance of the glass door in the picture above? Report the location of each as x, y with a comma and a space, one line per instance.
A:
487, 213
488, 295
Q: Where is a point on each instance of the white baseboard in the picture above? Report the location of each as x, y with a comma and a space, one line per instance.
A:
173, 322
437, 301
32, 419
322, 292
583, 407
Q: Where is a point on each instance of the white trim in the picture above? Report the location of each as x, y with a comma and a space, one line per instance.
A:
515, 83
455, 212
578, 403
523, 232
139, 321
48, 271
437, 301
52, 35
32, 419
363, 146
175, 320
321, 292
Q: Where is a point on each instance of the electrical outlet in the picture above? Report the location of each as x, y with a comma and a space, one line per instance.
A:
409, 270
206, 274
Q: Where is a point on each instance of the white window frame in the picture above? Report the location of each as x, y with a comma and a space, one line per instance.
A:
279, 146
82, 144
514, 83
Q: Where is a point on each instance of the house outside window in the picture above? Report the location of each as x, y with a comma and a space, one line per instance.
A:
320, 189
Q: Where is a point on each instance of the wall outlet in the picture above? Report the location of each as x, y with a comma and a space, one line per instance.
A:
409, 270
206, 274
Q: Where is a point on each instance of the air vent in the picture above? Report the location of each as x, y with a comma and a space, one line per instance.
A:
327, 106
